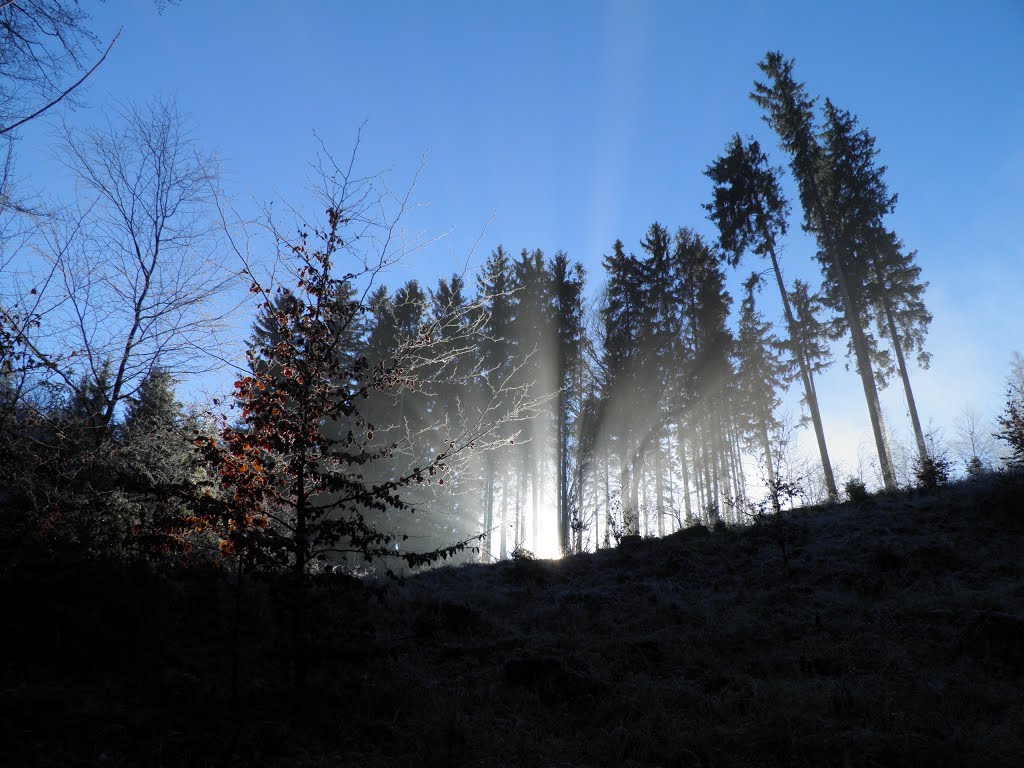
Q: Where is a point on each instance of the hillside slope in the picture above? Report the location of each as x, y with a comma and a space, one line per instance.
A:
890, 634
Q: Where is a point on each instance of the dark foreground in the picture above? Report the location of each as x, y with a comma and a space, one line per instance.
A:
886, 635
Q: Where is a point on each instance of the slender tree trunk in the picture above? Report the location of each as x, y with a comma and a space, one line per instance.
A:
625, 496
860, 348
681, 440
659, 489
739, 469
488, 506
773, 488
535, 486
805, 377
670, 487
922, 448
503, 551
634, 493
723, 454
520, 537
710, 470
867, 377
701, 469
607, 495
563, 487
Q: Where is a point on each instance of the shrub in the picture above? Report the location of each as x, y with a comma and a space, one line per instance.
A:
932, 471
855, 490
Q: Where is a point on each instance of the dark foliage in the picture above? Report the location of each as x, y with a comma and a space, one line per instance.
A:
856, 491
1012, 423
933, 471
699, 648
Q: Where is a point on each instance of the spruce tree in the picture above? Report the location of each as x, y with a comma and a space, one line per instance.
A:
760, 372
901, 314
533, 332
567, 314
836, 201
750, 211
623, 319
494, 287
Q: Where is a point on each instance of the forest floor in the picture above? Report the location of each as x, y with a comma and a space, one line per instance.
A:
889, 633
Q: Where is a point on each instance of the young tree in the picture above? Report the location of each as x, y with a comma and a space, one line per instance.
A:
973, 442
1012, 418
298, 490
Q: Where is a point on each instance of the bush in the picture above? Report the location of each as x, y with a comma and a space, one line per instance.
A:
976, 468
932, 471
855, 490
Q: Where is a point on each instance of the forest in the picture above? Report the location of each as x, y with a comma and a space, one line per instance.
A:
548, 483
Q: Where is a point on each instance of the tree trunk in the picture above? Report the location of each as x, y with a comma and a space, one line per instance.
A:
625, 496
659, 490
681, 440
485, 550
773, 488
503, 544
853, 320
806, 379
535, 498
867, 377
922, 448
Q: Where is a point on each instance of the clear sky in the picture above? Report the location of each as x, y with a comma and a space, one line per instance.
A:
570, 124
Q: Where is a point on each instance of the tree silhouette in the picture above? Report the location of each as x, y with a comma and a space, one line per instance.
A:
750, 211
838, 203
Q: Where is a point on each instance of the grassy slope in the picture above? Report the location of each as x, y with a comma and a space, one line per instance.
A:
893, 637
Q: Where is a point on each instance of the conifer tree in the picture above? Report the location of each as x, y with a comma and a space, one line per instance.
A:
750, 211
89, 403
662, 354
494, 287
533, 332
623, 319
704, 305
889, 277
760, 373
837, 202
1011, 420
810, 333
154, 405
567, 314
901, 314
297, 487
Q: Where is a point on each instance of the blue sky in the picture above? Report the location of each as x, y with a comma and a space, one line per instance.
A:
570, 124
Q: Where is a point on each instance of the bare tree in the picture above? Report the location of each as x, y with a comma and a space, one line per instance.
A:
135, 283
973, 441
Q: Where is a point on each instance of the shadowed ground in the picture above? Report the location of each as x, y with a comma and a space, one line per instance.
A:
885, 634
